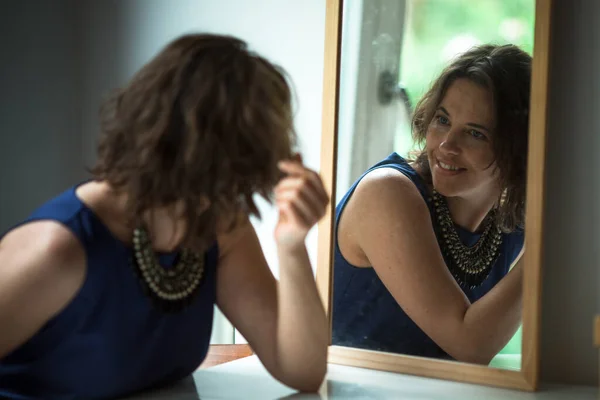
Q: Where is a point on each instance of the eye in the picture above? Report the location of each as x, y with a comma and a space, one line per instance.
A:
477, 135
443, 120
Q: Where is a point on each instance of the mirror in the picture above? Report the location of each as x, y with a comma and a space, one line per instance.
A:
441, 103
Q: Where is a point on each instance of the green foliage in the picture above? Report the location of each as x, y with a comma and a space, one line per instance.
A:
436, 30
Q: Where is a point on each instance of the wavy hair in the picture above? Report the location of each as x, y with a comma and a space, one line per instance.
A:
205, 119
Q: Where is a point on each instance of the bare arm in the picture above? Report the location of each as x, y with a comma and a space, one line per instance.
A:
284, 322
389, 222
41, 268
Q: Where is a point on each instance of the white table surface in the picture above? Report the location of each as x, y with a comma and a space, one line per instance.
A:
247, 379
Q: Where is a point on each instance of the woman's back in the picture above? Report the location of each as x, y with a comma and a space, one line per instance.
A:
109, 340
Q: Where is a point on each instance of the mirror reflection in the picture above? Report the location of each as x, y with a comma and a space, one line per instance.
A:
431, 184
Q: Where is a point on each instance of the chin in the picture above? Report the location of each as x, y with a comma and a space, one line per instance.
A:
446, 190
447, 186
448, 183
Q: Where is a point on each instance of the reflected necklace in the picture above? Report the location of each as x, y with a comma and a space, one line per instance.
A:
470, 266
170, 289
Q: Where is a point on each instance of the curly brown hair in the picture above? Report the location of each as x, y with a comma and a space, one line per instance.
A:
506, 71
205, 119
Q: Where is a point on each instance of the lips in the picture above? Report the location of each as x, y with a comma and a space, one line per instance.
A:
448, 167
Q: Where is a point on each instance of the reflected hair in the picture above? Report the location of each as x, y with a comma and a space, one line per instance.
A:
505, 70
205, 119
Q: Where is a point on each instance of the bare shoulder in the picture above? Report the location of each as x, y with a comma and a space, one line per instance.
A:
385, 201
40, 253
42, 267
46, 241
388, 182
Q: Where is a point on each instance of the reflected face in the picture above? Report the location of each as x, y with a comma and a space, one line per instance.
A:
459, 142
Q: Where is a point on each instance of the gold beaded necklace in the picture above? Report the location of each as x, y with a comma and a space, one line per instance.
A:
470, 266
171, 289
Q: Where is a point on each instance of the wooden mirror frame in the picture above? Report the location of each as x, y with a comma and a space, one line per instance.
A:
525, 379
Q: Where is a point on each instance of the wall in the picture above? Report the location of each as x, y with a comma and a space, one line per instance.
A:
571, 274
40, 140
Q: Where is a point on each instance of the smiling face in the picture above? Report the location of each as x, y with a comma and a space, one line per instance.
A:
459, 143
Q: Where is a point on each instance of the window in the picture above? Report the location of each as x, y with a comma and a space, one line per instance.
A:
435, 31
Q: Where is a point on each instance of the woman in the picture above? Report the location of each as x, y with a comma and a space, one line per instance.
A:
109, 288
423, 249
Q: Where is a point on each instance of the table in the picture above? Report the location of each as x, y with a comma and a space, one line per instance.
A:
247, 379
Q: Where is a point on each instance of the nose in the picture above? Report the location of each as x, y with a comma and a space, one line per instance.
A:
450, 143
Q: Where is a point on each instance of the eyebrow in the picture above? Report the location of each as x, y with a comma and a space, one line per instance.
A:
474, 125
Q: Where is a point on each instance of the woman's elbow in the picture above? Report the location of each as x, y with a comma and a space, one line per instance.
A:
479, 360
308, 380
474, 356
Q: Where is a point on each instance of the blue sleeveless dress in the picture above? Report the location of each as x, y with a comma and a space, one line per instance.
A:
109, 341
365, 314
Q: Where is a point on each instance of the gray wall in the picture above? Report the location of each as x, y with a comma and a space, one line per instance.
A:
40, 140
102, 56
572, 263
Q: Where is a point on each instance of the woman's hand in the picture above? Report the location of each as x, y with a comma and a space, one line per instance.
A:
302, 201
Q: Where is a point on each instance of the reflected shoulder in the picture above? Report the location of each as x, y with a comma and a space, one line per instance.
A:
386, 189
385, 202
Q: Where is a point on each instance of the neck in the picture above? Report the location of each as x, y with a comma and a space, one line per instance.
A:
469, 213
159, 222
